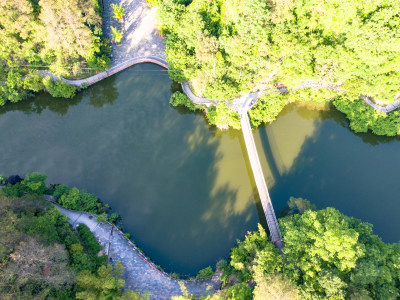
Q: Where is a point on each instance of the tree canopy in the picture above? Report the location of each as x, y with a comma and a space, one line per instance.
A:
64, 37
225, 47
327, 255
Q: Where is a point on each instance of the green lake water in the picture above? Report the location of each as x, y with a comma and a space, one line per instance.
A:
184, 189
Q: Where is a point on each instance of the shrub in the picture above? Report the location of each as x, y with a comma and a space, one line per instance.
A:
205, 273
16, 190
179, 98
102, 217
35, 183
59, 89
77, 200
60, 190
362, 117
88, 240
223, 117
3, 179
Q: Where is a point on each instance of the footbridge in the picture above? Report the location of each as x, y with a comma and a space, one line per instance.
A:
265, 199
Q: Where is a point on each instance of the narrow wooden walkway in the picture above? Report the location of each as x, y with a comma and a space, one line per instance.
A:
265, 199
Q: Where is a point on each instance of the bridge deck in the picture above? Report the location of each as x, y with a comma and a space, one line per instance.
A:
260, 182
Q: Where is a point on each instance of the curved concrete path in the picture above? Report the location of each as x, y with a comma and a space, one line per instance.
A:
139, 272
142, 43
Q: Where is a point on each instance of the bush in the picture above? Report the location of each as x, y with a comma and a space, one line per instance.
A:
205, 273
102, 217
267, 108
3, 179
179, 98
363, 117
59, 89
223, 117
60, 190
16, 190
35, 183
114, 218
88, 240
77, 200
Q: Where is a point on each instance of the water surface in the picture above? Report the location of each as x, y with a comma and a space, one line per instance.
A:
184, 189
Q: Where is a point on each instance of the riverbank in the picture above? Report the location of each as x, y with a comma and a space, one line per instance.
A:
139, 272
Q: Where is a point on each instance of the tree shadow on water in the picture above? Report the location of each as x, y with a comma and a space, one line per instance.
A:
99, 94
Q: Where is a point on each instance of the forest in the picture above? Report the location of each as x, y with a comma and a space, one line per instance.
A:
318, 50
327, 255
42, 257
63, 37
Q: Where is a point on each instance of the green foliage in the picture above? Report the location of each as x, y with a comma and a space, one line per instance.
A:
35, 183
119, 11
114, 218
255, 250
240, 291
16, 190
60, 190
205, 273
39, 251
179, 98
39, 33
154, 3
267, 108
59, 89
362, 117
275, 287
101, 217
88, 239
116, 35
105, 284
3, 179
229, 47
78, 200
326, 255
223, 117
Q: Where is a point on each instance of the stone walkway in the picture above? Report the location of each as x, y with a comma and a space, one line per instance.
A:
140, 35
139, 273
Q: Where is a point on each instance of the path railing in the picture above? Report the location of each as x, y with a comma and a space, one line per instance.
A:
265, 199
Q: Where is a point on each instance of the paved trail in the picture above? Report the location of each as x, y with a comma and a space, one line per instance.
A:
139, 273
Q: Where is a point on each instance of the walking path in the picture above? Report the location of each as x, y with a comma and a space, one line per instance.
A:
139, 273
265, 199
140, 35
142, 43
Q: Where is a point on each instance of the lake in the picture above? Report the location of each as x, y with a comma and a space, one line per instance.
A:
184, 189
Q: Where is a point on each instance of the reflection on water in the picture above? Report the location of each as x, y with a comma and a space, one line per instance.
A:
182, 188
314, 155
285, 144
185, 190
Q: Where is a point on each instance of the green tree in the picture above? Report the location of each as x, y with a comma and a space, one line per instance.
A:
105, 284
205, 273
274, 287
223, 117
35, 183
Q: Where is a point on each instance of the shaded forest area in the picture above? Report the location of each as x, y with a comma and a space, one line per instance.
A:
42, 256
